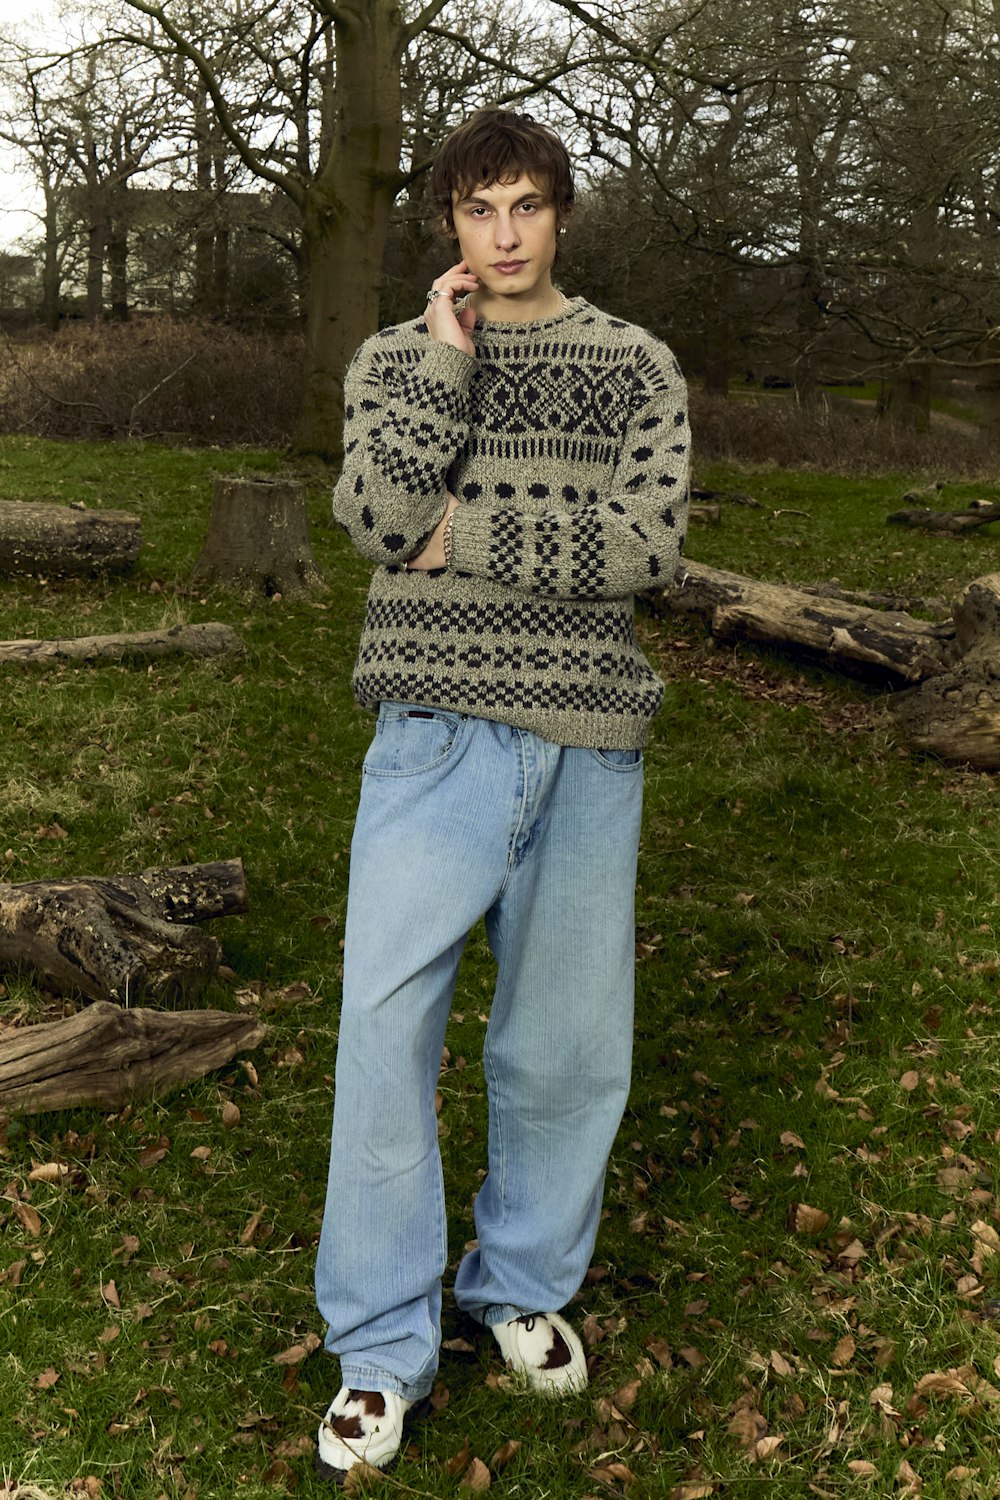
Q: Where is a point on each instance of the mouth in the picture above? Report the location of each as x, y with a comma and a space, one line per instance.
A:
509, 267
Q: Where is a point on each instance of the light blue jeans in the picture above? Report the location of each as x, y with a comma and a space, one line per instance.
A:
462, 818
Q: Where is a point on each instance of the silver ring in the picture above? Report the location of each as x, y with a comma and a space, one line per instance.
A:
433, 293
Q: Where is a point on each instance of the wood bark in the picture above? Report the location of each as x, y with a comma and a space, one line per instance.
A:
889, 644
258, 539
955, 715
122, 937
59, 541
208, 639
106, 1056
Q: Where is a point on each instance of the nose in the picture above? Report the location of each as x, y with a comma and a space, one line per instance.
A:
505, 232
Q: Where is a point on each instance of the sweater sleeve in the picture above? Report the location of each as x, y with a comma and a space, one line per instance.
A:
405, 421
599, 545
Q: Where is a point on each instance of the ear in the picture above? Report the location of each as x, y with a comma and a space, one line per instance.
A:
448, 230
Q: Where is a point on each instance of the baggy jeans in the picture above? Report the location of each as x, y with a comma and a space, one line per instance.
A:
462, 818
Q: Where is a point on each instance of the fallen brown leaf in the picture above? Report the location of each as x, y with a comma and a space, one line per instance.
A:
941, 1383
504, 1454
29, 1218
661, 1352
616, 1473
844, 1352
458, 1461
360, 1477
909, 1480
476, 1477
298, 1352
50, 1171
806, 1220
47, 1379
626, 1395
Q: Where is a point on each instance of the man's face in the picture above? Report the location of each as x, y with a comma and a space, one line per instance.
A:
507, 236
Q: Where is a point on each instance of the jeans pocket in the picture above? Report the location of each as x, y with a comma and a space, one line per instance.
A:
619, 760
410, 739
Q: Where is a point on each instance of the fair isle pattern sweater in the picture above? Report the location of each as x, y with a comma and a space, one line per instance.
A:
566, 442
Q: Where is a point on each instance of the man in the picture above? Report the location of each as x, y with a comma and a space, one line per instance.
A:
516, 464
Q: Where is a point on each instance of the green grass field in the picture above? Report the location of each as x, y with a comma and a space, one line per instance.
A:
795, 1287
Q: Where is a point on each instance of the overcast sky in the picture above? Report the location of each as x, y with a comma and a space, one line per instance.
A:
17, 191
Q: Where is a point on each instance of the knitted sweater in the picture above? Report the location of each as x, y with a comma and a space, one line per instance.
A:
566, 442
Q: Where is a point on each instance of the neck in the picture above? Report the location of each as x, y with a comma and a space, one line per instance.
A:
542, 304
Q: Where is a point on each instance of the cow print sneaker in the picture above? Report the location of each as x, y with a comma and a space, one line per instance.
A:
360, 1427
544, 1349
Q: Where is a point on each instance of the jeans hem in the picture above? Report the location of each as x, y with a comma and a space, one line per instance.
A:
369, 1378
503, 1312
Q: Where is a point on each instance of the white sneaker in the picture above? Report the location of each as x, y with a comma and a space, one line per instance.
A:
544, 1349
360, 1427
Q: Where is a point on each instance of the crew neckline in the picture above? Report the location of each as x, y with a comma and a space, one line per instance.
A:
487, 328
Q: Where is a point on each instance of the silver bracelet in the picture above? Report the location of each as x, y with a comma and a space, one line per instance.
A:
448, 538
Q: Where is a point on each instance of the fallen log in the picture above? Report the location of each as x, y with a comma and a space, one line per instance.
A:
124, 937
208, 639
105, 1055
62, 541
891, 645
955, 521
258, 539
955, 715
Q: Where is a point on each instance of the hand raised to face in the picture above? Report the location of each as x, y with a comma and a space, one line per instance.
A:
443, 323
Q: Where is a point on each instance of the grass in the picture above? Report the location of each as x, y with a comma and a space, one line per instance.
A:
816, 1025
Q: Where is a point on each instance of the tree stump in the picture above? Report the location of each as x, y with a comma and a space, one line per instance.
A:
258, 539
62, 541
105, 1055
124, 937
208, 639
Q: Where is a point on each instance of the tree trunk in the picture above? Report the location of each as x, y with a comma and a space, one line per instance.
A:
57, 541
258, 539
51, 279
908, 398
208, 639
123, 937
890, 645
346, 216
106, 1056
118, 268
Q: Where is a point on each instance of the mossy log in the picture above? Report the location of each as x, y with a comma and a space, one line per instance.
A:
63, 541
106, 1056
258, 539
207, 639
125, 937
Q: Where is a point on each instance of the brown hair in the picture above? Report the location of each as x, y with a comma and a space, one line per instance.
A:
497, 145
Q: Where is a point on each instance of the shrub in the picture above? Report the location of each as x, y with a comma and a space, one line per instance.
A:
833, 436
188, 382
